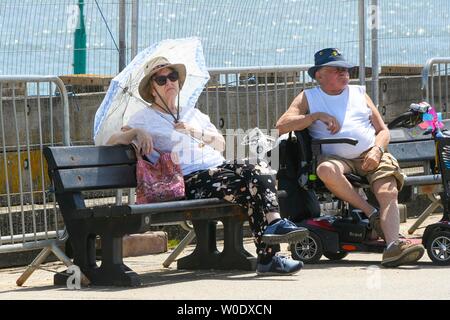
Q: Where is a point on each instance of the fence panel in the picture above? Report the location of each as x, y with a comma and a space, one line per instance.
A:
33, 114
435, 83
238, 100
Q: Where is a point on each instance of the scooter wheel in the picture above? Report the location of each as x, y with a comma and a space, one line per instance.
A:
438, 248
309, 250
335, 255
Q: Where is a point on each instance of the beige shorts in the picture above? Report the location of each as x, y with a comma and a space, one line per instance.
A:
388, 167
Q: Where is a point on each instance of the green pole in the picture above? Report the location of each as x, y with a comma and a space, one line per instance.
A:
79, 52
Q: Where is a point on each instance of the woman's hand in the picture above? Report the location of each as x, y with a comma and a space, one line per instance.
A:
144, 140
331, 122
208, 137
185, 128
372, 159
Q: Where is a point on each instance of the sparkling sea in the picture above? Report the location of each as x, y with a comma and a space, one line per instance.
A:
37, 37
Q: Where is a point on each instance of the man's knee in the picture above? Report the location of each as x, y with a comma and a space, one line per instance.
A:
386, 191
328, 171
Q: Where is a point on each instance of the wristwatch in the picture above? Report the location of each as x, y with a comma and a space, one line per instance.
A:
381, 149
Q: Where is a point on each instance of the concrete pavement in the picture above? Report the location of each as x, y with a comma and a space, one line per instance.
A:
358, 276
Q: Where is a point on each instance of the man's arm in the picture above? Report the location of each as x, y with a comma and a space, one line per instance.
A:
297, 117
382, 137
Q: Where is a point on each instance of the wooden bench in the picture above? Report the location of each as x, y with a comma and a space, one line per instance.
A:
75, 170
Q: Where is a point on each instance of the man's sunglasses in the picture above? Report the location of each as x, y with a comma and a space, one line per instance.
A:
162, 80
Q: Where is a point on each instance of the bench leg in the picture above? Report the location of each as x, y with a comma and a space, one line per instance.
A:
112, 270
205, 254
234, 256
83, 246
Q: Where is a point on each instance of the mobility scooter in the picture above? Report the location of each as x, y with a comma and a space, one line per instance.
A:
307, 202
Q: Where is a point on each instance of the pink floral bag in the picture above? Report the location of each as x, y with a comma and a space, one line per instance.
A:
162, 181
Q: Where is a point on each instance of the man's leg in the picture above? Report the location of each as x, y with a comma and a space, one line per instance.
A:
398, 252
385, 190
331, 172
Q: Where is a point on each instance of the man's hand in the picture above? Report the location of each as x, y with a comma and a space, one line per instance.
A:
331, 122
372, 159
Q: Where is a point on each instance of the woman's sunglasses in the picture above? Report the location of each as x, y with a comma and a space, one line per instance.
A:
162, 80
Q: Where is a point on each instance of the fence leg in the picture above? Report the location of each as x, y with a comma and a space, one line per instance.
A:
34, 265
62, 256
183, 243
40, 258
436, 202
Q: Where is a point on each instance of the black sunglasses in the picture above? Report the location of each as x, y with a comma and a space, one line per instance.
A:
162, 80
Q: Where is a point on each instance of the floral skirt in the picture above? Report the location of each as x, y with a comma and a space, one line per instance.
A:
248, 185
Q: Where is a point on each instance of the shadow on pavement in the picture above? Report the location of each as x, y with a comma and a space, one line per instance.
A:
328, 264
163, 277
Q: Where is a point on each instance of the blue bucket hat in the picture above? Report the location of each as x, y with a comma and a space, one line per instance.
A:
330, 57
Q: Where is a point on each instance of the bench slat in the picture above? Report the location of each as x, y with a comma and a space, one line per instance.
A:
413, 151
180, 205
209, 213
423, 180
74, 180
88, 156
102, 212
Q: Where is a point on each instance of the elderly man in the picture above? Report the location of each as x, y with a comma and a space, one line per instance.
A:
337, 109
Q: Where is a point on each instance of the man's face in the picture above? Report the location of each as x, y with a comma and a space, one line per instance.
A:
333, 77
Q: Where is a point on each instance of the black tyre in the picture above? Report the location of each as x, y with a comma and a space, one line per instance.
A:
438, 248
335, 255
309, 250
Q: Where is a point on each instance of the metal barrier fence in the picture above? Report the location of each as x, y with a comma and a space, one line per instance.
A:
238, 100
34, 113
244, 98
435, 83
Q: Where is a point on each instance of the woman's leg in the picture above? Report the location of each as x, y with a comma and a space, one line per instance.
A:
242, 184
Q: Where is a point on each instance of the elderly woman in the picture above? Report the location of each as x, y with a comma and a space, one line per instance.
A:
198, 144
